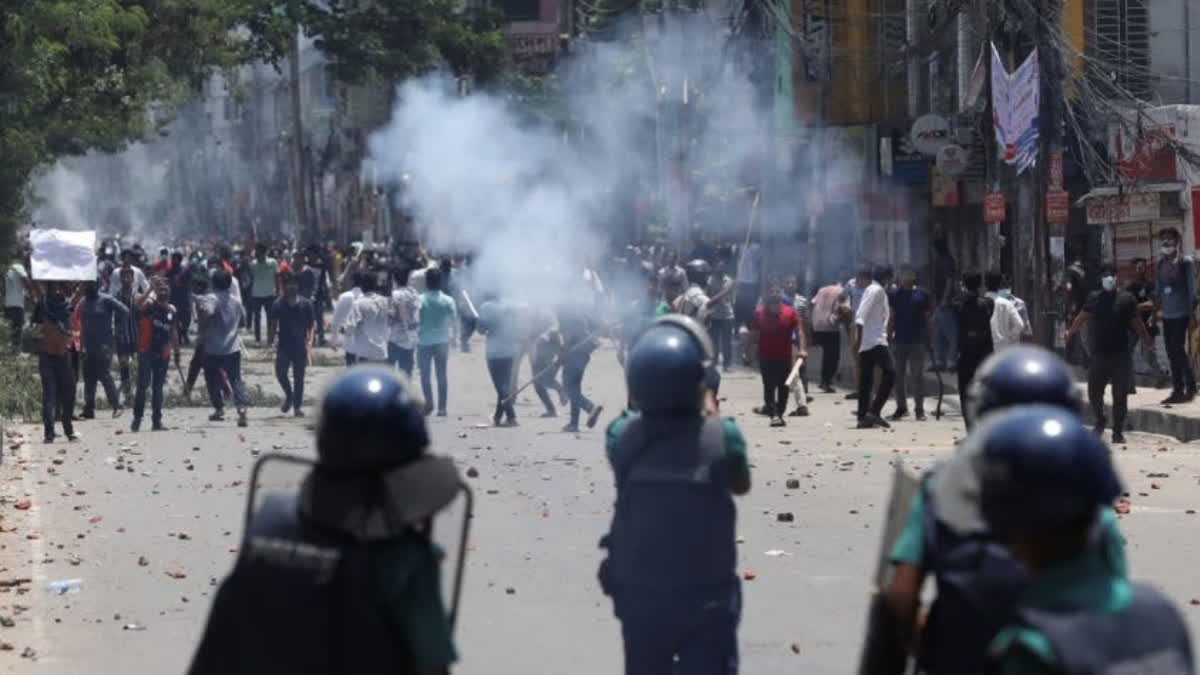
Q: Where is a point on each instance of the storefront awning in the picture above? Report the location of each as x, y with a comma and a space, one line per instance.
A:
1113, 190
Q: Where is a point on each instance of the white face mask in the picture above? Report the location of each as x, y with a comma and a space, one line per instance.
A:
1168, 249
1005, 292
1108, 283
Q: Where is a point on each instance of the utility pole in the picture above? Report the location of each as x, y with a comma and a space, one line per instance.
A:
300, 185
1051, 71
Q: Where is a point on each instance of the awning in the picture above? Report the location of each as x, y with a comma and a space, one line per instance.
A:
1114, 190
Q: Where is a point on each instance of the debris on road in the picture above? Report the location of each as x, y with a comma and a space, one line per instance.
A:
510, 591
775, 553
23, 504
142, 561
793, 484
133, 626
749, 575
472, 472
795, 648
1122, 506
176, 574
1158, 475
785, 517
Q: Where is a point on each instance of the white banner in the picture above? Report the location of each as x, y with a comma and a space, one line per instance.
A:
63, 255
1015, 105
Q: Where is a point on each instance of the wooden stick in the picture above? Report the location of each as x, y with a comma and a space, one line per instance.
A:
749, 228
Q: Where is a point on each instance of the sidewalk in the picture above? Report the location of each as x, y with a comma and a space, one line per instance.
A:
1146, 413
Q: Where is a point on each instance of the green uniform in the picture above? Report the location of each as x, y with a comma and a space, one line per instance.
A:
737, 465
1087, 582
409, 576
909, 548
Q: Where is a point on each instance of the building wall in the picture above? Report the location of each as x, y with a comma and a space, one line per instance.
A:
1172, 24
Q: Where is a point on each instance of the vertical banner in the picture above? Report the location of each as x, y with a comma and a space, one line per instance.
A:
1015, 101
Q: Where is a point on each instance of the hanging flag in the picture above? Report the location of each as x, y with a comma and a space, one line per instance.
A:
1015, 104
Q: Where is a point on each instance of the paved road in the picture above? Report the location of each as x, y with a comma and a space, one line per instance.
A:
129, 513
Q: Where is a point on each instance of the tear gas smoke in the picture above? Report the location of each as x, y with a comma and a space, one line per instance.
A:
480, 175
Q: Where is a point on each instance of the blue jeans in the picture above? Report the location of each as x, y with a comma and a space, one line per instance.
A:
294, 359
400, 358
501, 372
573, 368
721, 331
428, 358
945, 347
697, 625
151, 372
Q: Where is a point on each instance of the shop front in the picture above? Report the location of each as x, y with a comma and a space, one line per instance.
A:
1132, 220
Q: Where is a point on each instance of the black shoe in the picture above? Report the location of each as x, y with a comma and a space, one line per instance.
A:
571, 429
48, 438
865, 423
88, 416
1118, 437
801, 411
510, 422
1175, 397
287, 404
136, 424
762, 410
158, 426
73, 436
900, 414
851, 396
549, 413
218, 416
880, 422
594, 416
827, 389
441, 413
496, 419
242, 418
920, 416
298, 413
778, 422
117, 412
809, 398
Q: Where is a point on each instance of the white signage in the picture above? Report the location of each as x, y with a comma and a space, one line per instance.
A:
63, 255
1015, 100
1127, 209
930, 133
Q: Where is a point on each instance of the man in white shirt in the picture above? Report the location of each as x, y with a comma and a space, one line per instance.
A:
871, 345
404, 317
1007, 324
341, 310
140, 283
367, 321
16, 284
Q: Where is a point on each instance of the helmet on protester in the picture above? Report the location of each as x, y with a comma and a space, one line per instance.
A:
698, 271
1022, 374
1040, 468
370, 420
669, 366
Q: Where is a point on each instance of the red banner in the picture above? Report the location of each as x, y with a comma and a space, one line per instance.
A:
1058, 207
993, 207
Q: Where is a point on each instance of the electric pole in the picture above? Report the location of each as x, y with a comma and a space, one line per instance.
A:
299, 179
1050, 102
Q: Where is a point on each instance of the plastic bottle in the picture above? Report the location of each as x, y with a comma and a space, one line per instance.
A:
64, 587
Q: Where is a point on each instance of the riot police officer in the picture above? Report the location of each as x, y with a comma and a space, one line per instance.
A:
944, 535
344, 578
672, 552
1044, 476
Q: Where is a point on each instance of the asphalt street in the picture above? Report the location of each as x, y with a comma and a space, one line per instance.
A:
150, 522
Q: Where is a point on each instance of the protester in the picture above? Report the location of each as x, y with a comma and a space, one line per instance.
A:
578, 330
97, 312
180, 279
263, 270
855, 287
16, 285
128, 262
294, 319
871, 344
911, 329
222, 347
672, 279
498, 320
1176, 286
543, 359
773, 330
1143, 291
1006, 323
792, 297
156, 340
368, 323
826, 305
341, 310
721, 290
52, 312
438, 319
1112, 314
125, 329
404, 319
973, 313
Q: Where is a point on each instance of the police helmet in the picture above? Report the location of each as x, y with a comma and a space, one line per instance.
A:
1041, 469
697, 271
370, 420
669, 365
1022, 374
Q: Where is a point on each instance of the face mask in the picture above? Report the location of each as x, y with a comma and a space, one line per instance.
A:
1108, 283
1005, 292
1168, 249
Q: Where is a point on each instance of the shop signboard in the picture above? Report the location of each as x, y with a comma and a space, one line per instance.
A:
1123, 208
993, 207
1058, 207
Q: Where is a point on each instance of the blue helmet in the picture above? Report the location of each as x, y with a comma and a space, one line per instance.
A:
1040, 468
370, 420
1022, 374
668, 366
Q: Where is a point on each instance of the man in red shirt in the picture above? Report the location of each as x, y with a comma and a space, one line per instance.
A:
773, 329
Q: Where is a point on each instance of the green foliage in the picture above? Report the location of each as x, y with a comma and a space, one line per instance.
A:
20, 386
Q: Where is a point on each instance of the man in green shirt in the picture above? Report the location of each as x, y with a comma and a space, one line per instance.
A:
1044, 480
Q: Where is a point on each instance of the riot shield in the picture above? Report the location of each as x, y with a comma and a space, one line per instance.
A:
883, 650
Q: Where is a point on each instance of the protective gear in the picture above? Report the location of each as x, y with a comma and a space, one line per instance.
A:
1019, 375
673, 525
370, 421
1148, 636
698, 271
669, 365
1108, 283
1041, 469
299, 600
977, 583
